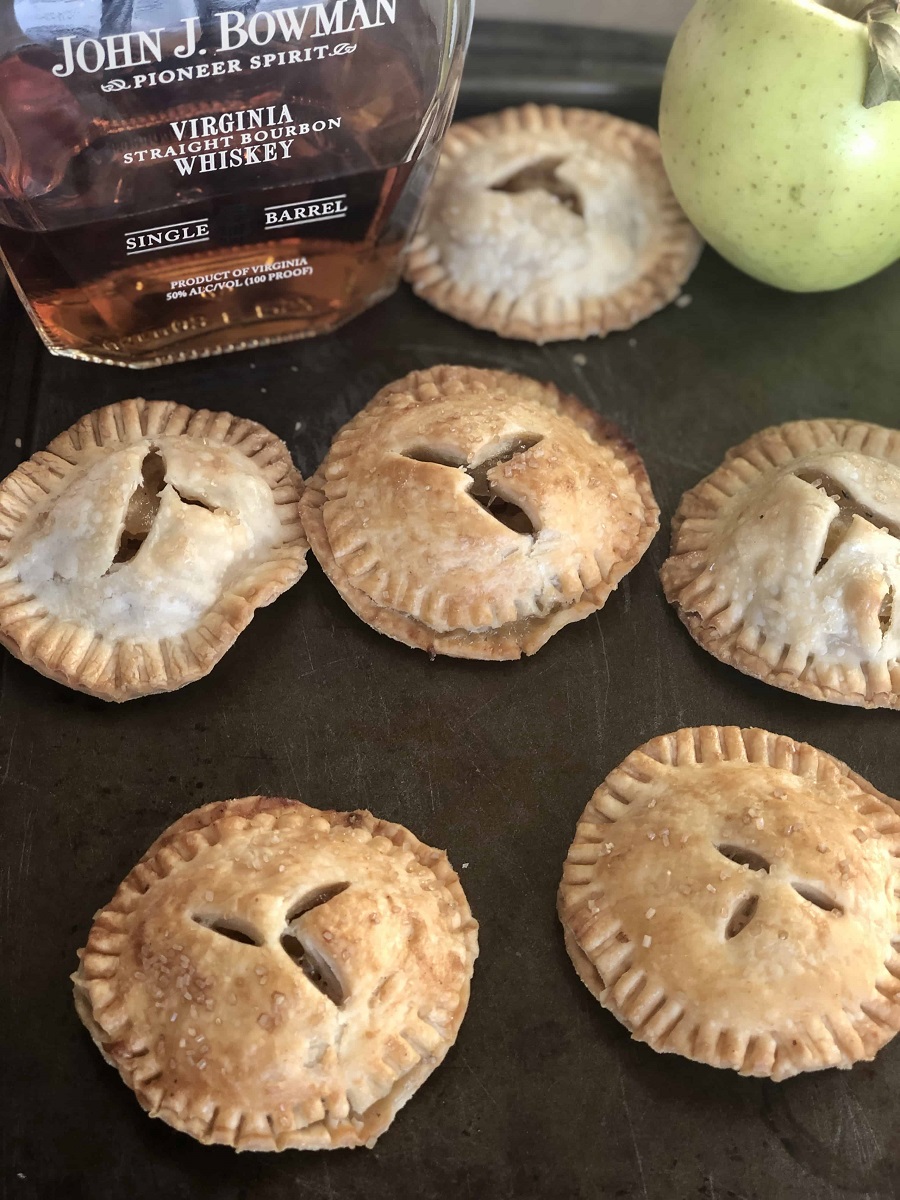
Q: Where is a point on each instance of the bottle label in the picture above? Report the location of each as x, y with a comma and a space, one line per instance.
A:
187, 99
182, 176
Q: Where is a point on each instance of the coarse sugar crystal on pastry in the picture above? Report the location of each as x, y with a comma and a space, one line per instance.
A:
139, 544
474, 513
548, 223
733, 896
785, 562
272, 976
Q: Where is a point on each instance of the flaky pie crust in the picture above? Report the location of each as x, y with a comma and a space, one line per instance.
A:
390, 517
785, 562
733, 896
233, 1042
225, 539
601, 245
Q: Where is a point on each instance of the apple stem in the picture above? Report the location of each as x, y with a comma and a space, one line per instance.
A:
855, 10
883, 20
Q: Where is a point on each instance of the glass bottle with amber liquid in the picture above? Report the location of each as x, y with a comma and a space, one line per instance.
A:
181, 178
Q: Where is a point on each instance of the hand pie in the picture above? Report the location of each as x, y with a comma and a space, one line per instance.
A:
474, 513
734, 896
551, 223
270, 976
785, 562
138, 545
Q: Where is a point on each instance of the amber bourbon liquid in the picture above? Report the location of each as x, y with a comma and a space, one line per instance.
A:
242, 177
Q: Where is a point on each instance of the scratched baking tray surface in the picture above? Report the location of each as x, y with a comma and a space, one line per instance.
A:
545, 1095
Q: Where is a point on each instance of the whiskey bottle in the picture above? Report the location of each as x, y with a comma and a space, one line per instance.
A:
175, 186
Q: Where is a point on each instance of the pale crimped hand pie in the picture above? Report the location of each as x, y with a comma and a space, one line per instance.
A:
273, 976
138, 545
474, 513
734, 896
785, 562
550, 223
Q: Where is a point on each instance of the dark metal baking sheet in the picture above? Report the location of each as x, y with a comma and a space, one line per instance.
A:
544, 1095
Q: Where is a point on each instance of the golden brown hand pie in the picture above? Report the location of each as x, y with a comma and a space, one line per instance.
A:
474, 513
785, 562
138, 545
734, 896
550, 223
271, 976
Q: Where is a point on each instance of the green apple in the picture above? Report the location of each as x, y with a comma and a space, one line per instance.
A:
770, 148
